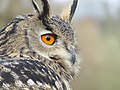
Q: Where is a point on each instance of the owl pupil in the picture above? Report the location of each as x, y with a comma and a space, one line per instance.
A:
48, 38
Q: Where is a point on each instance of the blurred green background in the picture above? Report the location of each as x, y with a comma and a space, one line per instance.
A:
97, 26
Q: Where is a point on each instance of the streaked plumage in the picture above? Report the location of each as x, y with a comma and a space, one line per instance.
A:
28, 63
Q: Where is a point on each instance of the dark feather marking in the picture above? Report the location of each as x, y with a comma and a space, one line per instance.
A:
35, 6
46, 8
8, 78
34, 70
12, 22
3, 42
10, 32
45, 13
3, 37
73, 8
13, 30
26, 38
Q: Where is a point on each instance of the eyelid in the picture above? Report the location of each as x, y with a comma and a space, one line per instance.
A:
50, 34
45, 32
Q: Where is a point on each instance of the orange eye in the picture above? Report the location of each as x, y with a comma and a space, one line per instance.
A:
48, 39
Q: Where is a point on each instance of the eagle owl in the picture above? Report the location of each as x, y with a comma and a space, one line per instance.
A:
38, 51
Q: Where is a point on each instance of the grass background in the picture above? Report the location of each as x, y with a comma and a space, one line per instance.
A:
98, 41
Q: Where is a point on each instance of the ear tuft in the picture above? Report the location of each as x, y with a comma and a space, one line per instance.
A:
44, 11
73, 9
37, 10
69, 12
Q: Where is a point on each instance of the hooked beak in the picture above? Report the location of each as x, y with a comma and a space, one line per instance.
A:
73, 55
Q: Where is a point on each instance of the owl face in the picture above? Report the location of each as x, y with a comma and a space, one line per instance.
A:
52, 36
54, 41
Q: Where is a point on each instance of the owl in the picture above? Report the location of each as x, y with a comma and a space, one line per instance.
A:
38, 51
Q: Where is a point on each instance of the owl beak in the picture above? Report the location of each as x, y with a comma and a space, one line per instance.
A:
73, 55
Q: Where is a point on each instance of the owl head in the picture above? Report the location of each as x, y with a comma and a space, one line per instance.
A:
47, 35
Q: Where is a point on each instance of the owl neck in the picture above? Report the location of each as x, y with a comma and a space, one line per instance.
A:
25, 53
63, 72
